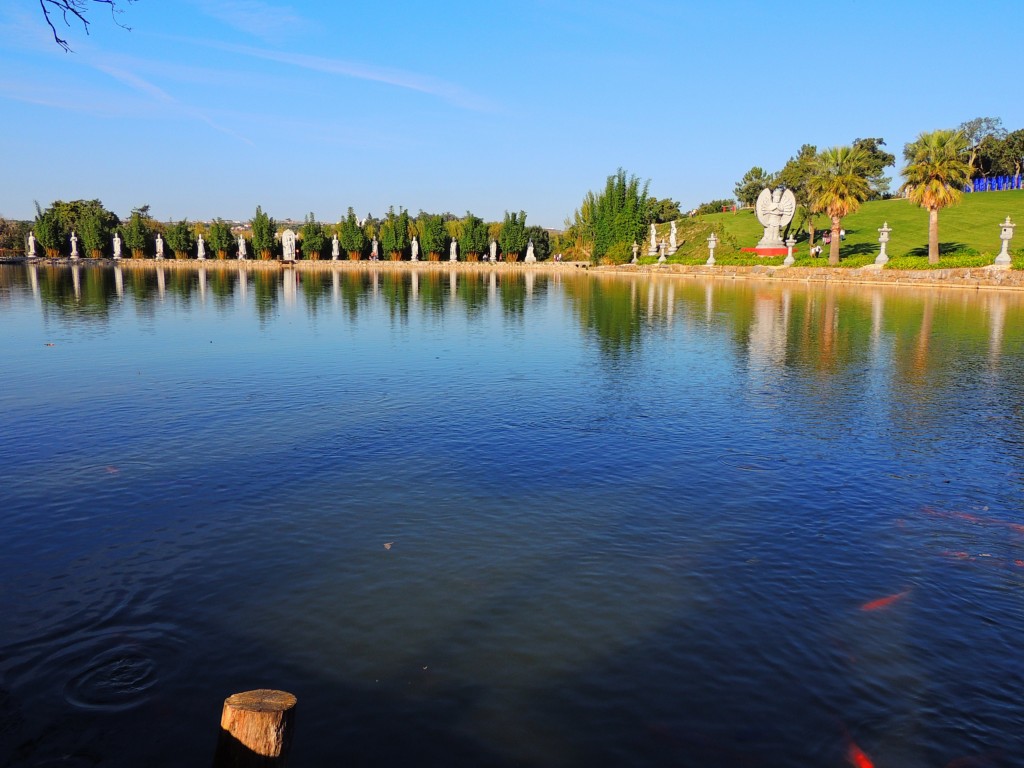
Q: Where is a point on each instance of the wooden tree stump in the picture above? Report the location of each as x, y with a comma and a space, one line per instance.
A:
256, 729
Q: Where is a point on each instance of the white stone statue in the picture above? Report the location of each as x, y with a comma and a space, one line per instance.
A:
335, 248
654, 241
31, 245
453, 251
117, 246
415, 248
159, 246
74, 245
494, 250
288, 244
374, 249
201, 249
672, 242
241, 248
530, 257
774, 210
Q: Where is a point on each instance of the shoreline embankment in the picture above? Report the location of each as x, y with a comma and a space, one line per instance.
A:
975, 278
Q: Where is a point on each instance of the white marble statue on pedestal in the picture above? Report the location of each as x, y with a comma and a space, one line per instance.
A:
774, 210
530, 256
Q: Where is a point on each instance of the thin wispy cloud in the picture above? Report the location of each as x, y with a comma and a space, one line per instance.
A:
254, 17
450, 92
157, 93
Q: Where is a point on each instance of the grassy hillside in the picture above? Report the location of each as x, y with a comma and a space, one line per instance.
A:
968, 234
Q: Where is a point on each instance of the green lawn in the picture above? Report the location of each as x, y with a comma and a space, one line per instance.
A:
968, 234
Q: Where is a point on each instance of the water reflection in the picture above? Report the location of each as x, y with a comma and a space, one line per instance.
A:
822, 329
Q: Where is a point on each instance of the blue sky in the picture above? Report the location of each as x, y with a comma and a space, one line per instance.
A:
210, 107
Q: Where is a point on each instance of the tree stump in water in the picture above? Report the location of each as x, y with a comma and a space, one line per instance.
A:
256, 729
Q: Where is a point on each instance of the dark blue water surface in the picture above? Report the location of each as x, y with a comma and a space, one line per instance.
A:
505, 518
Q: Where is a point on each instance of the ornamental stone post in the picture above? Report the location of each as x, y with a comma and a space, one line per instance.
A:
883, 238
1003, 259
712, 242
789, 260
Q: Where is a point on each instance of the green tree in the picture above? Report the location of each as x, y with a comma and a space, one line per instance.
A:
263, 230
541, 242
180, 239
137, 231
95, 234
513, 235
1014, 143
313, 237
837, 187
49, 231
877, 161
974, 133
660, 211
795, 175
749, 187
618, 214
72, 213
394, 233
474, 241
937, 170
220, 238
433, 235
351, 235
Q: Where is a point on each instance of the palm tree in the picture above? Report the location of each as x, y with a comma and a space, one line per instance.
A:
936, 173
838, 184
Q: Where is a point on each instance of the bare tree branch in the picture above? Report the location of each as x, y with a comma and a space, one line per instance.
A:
77, 9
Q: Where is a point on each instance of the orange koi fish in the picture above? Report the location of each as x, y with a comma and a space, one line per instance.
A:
884, 602
858, 758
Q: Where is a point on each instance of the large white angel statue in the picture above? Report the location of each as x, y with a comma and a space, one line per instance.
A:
774, 210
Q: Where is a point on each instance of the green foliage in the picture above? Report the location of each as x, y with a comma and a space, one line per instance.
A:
512, 238
877, 161
541, 242
433, 235
137, 231
93, 229
263, 229
660, 211
715, 206
71, 214
13, 234
394, 232
837, 186
749, 187
351, 235
474, 238
620, 213
313, 237
619, 253
974, 133
180, 238
48, 230
220, 236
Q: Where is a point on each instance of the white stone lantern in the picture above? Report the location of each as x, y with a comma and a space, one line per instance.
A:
789, 260
883, 238
712, 242
1003, 259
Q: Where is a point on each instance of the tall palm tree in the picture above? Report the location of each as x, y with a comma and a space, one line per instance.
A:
936, 173
838, 184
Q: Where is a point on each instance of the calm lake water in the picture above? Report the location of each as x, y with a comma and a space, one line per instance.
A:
505, 519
